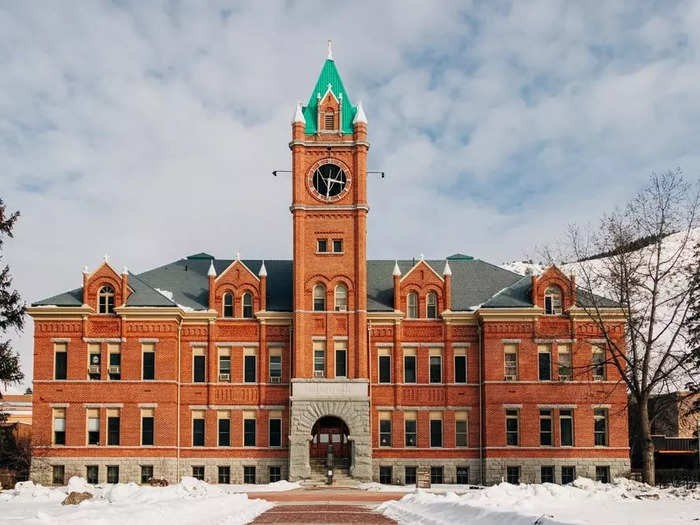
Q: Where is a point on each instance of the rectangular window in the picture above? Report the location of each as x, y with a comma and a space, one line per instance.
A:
544, 362
319, 358
249, 475
146, 473
224, 474
112, 473
409, 368
409, 474
600, 424
275, 366
602, 474
275, 429
322, 245
385, 475
510, 355
568, 474
435, 430
59, 426
513, 475
93, 426
547, 474
461, 429
435, 369
436, 476
199, 368
546, 428
385, 367
385, 429
460, 366
341, 362
115, 362
410, 429
58, 474
92, 474
564, 358
566, 427
249, 365
113, 426
224, 430
94, 361
149, 361
60, 361
198, 428
275, 474
512, 424
249, 430
224, 365
198, 472
598, 363
462, 477
147, 426
338, 245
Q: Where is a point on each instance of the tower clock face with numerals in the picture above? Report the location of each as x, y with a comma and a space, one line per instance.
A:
328, 180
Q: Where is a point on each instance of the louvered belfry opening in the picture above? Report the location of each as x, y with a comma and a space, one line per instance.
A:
329, 123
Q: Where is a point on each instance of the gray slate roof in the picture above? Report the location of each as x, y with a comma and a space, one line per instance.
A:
475, 284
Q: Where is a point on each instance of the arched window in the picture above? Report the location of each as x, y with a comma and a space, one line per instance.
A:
341, 298
552, 300
247, 302
431, 306
105, 303
412, 305
319, 298
228, 304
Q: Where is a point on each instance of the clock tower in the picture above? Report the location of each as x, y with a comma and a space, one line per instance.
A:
330, 368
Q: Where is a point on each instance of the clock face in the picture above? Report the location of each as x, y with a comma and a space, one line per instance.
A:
329, 181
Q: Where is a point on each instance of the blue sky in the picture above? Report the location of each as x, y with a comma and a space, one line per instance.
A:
148, 130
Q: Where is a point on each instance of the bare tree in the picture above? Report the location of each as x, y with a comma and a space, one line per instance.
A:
642, 257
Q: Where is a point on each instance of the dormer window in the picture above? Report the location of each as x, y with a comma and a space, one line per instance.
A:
105, 302
431, 304
552, 300
247, 302
412, 305
329, 121
228, 304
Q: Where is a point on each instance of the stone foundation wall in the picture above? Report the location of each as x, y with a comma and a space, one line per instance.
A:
449, 472
130, 468
530, 468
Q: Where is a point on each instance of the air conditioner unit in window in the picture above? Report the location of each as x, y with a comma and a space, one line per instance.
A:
94, 369
319, 373
564, 378
597, 378
115, 369
510, 377
275, 379
225, 377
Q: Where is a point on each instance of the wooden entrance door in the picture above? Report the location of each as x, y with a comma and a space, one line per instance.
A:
330, 431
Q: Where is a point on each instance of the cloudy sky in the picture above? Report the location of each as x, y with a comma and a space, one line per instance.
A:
148, 130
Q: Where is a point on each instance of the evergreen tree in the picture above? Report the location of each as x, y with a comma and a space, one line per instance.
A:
11, 308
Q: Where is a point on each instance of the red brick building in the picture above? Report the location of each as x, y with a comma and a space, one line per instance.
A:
249, 370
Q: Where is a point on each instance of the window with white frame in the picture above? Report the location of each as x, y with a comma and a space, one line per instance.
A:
93, 426
384, 429
510, 357
512, 427
247, 305
412, 305
228, 304
409, 365
59, 426
105, 300
552, 300
114, 361
275, 357
600, 427
460, 358
566, 427
94, 361
546, 428
435, 365
384, 367
319, 298
564, 358
461, 438
341, 298
410, 428
224, 364
431, 305
319, 358
598, 359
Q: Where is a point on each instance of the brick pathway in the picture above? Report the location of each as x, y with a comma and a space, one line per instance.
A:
331, 495
326, 514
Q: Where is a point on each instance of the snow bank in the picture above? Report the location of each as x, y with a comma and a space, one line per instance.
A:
583, 502
190, 501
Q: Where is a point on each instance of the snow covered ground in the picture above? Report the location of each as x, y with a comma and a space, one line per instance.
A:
584, 502
190, 501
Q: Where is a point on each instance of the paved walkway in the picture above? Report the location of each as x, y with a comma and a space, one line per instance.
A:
326, 514
327, 506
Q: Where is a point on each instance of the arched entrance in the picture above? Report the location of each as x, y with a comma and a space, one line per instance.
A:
330, 432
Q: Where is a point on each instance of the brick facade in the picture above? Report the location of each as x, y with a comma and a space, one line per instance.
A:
191, 347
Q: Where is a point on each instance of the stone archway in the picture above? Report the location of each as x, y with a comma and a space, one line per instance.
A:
308, 405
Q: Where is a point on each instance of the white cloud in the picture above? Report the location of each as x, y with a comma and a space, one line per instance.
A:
149, 131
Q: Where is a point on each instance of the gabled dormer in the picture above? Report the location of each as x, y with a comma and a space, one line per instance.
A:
421, 291
554, 291
105, 289
236, 292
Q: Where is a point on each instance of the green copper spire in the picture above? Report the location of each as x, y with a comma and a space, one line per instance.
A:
329, 77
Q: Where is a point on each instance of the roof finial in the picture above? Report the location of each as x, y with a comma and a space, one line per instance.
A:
106, 258
85, 269
263, 270
360, 114
330, 50
421, 257
397, 270
299, 114
447, 270
238, 256
212, 271
125, 270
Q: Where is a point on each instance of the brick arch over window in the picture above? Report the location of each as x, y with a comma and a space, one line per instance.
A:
99, 281
554, 277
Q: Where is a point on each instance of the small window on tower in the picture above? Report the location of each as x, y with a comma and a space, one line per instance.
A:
329, 121
322, 245
338, 245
